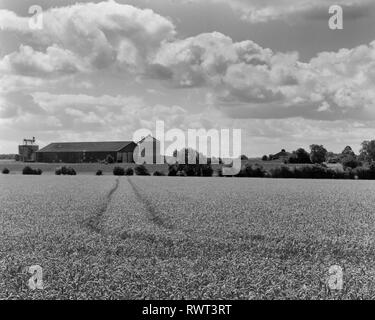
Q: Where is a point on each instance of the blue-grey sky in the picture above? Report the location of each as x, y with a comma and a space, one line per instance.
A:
273, 68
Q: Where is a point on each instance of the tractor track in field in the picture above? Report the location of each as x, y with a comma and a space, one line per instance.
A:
152, 214
94, 222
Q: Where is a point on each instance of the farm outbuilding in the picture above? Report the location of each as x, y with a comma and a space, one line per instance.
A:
27, 151
282, 155
78, 152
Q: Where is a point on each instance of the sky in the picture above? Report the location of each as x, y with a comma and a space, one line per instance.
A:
101, 70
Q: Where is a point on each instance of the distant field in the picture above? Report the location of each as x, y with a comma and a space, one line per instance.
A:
185, 238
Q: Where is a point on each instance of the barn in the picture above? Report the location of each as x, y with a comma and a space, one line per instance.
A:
282, 155
78, 152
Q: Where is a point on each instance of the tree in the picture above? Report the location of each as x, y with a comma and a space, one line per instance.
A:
192, 163
332, 157
350, 162
367, 152
244, 157
300, 156
189, 156
317, 153
348, 151
348, 158
264, 158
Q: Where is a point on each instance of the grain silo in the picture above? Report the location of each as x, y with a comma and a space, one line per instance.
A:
27, 151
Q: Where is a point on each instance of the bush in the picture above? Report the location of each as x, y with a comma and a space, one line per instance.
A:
141, 170
181, 174
172, 170
27, 170
5, 171
118, 171
315, 171
30, 171
312, 172
351, 162
158, 173
99, 173
65, 171
206, 170
70, 171
253, 171
282, 172
361, 172
129, 172
348, 173
190, 170
365, 173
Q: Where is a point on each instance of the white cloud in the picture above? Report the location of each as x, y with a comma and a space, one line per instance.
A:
105, 111
27, 61
244, 79
250, 81
80, 36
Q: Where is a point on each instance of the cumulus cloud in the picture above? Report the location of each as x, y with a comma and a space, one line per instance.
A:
249, 81
104, 111
27, 61
84, 36
242, 79
82, 117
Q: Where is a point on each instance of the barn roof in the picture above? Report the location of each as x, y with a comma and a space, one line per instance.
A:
106, 146
282, 153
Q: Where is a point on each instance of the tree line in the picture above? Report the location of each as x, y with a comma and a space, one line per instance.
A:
319, 154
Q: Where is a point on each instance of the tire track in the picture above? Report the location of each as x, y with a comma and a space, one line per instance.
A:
94, 222
152, 214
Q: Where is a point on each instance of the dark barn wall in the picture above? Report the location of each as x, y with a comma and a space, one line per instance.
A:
74, 157
129, 148
66, 157
124, 155
98, 156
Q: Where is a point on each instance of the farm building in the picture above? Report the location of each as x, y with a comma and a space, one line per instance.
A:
282, 155
77, 152
150, 149
27, 151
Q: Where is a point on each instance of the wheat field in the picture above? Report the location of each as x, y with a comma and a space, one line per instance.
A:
185, 238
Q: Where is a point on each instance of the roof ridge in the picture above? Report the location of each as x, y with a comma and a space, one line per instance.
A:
74, 146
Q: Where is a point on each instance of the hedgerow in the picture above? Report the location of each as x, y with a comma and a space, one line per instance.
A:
30, 171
